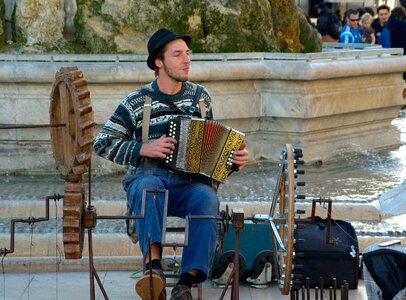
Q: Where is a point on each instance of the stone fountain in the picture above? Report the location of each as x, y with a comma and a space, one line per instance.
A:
324, 103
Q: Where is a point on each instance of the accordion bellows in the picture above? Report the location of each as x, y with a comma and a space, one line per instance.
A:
204, 146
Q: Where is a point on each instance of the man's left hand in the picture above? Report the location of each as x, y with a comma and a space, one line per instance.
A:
240, 157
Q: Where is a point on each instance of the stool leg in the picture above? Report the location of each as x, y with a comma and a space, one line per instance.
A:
151, 287
199, 291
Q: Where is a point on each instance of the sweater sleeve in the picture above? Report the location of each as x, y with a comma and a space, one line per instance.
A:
116, 141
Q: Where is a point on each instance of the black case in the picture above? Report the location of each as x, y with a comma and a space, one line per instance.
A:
315, 257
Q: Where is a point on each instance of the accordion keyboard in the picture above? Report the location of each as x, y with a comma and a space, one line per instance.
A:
203, 146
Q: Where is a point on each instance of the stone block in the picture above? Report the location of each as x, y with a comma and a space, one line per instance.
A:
40, 21
2, 22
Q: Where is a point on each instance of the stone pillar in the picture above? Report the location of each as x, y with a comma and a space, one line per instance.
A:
70, 11
41, 22
2, 25
8, 16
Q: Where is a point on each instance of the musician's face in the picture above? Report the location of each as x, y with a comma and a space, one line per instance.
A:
176, 62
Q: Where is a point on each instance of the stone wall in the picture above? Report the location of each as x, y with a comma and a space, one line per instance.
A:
325, 103
215, 26
124, 26
40, 21
2, 23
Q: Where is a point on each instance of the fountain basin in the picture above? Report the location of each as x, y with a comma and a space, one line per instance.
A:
326, 103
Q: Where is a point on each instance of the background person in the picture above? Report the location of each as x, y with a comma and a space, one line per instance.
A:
366, 31
328, 24
350, 32
383, 12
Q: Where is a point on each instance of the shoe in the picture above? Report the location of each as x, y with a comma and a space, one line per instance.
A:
181, 292
142, 286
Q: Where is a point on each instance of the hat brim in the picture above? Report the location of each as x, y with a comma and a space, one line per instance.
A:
163, 42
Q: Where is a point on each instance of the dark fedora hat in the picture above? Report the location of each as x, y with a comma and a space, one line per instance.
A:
158, 40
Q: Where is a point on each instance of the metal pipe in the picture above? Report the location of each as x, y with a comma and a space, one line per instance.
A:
30, 221
100, 283
89, 176
308, 288
236, 279
227, 284
25, 126
91, 268
151, 288
321, 288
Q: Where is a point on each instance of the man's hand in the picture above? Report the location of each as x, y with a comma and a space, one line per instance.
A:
158, 148
240, 157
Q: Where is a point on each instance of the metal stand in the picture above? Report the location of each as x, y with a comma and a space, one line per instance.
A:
29, 221
90, 218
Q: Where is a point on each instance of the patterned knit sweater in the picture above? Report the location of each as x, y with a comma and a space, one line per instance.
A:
120, 139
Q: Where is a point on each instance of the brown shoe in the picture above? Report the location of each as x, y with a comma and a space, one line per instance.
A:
181, 292
142, 287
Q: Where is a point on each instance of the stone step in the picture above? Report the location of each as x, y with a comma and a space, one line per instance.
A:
342, 209
111, 252
110, 238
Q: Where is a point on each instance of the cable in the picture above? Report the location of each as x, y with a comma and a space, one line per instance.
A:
58, 252
343, 230
4, 276
27, 288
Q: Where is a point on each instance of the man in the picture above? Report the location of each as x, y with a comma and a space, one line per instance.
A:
378, 24
121, 141
396, 26
350, 32
328, 24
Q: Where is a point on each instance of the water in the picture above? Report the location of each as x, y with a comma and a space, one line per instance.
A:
359, 177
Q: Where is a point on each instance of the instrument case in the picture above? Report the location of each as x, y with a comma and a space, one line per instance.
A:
325, 248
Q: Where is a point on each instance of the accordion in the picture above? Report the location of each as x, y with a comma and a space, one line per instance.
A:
203, 146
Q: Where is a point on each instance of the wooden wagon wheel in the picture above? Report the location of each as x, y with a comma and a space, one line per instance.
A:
70, 105
72, 147
285, 219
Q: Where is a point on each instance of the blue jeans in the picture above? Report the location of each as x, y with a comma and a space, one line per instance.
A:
188, 194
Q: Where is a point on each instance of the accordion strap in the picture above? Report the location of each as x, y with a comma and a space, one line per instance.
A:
147, 109
197, 99
146, 118
202, 108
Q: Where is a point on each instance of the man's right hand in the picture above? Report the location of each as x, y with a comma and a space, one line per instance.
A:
158, 148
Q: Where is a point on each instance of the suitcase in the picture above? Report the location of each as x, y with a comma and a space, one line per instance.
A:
325, 248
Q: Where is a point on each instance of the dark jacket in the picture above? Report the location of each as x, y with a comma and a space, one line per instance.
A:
323, 21
378, 29
397, 30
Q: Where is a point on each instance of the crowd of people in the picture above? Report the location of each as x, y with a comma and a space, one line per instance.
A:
382, 26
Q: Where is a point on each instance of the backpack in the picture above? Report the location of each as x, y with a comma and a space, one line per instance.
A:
334, 26
387, 267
